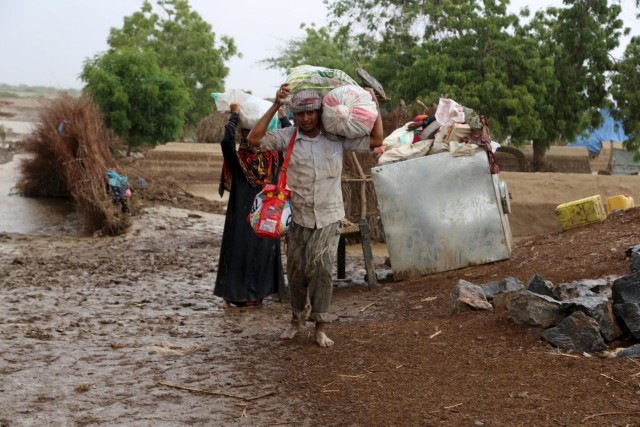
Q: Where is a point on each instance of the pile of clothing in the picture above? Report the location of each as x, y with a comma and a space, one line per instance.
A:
119, 190
452, 128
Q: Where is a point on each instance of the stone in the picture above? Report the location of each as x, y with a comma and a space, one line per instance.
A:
467, 296
631, 250
629, 314
501, 301
635, 262
533, 309
626, 289
581, 288
576, 333
632, 352
625, 293
508, 284
598, 308
538, 285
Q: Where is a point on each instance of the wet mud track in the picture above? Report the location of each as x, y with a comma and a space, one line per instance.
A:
125, 331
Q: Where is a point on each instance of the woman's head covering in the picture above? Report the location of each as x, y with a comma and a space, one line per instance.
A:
305, 100
258, 167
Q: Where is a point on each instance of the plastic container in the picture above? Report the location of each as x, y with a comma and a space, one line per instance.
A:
622, 202
581, 212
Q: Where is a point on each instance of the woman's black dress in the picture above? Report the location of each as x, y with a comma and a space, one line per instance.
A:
250, 268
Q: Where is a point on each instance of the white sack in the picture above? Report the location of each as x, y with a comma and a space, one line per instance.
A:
349, 111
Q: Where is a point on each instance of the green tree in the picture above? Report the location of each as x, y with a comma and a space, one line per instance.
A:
625, 89
184, 44
536, 81
319, 47
579, 38
141, 102
473, 52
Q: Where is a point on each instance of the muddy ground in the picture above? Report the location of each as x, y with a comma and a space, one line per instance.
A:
125, 331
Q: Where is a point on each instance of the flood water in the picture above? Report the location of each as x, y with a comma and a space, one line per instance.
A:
32, 215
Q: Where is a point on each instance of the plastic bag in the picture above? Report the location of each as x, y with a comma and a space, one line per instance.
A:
402, 135
319, 79
449, 111
270, 215
252, 108
349, 111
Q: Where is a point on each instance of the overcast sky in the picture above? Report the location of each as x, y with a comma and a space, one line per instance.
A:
45, 42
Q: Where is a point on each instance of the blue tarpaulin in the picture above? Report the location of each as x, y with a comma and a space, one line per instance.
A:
610, 130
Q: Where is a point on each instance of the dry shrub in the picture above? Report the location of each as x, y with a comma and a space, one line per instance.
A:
211, 128
73, 162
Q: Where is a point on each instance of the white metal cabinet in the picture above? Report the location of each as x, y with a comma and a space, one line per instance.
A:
441, 213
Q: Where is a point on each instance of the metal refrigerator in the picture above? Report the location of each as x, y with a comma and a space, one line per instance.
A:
442, 213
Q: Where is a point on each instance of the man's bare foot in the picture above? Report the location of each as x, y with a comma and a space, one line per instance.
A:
321, 337
291, 330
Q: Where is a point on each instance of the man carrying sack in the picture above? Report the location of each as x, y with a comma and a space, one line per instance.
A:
314, 177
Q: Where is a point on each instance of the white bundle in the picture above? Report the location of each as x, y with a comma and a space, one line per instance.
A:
349, 111
252, 108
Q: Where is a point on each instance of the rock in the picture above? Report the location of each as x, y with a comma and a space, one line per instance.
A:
576, 333
505, 285
501, 301
632, 352
538, 285
626, 289
626, 302
581, 288
634, 253
629, 314
598, 308
533, 309
467, 296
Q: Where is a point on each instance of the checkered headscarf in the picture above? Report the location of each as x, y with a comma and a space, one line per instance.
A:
305, 100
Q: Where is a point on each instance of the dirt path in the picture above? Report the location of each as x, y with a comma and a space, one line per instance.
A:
91, 328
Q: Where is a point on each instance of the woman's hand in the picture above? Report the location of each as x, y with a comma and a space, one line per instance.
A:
234, 108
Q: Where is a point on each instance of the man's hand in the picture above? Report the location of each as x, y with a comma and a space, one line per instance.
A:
282, 93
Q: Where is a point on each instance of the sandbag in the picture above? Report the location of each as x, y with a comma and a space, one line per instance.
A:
320, 79
349, 111
252, 108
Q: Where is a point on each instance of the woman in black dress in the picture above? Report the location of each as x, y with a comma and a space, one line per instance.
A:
250, 268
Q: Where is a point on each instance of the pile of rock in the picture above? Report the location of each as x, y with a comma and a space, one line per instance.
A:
581, 316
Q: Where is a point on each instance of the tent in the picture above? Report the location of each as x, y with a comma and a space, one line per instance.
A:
610, 130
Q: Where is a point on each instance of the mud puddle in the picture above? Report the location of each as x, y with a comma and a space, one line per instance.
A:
32, 215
